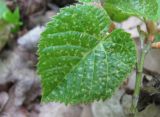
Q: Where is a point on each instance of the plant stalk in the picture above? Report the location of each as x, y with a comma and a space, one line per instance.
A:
139, 74
151, 28
138, 83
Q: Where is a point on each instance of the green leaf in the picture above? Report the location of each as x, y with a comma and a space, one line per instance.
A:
158, 12
12, 17
3, 8
120, 10
81, 18
8, 16
157, 38
78, 61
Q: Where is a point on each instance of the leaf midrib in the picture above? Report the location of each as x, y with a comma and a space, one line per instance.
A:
83, 58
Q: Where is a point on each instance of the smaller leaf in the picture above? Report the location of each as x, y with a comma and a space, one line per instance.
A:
157, 38
12, 18
115, 14
158, 12
3, 8
120, 10
9, 17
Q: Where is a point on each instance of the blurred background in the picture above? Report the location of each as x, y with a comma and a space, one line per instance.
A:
21, 22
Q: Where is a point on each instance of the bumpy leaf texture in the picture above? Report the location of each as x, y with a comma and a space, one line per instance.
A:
120, 10
78, 61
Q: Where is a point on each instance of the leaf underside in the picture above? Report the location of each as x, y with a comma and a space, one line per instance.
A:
120, 10
78, 62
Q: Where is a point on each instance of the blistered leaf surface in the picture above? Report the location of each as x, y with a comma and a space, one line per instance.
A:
78, 61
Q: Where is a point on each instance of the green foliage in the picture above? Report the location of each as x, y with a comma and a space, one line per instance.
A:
75, 18
157, 38
9, 22
79, 62
158, 12
12, 18
3, 8
8, 16
120, 10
